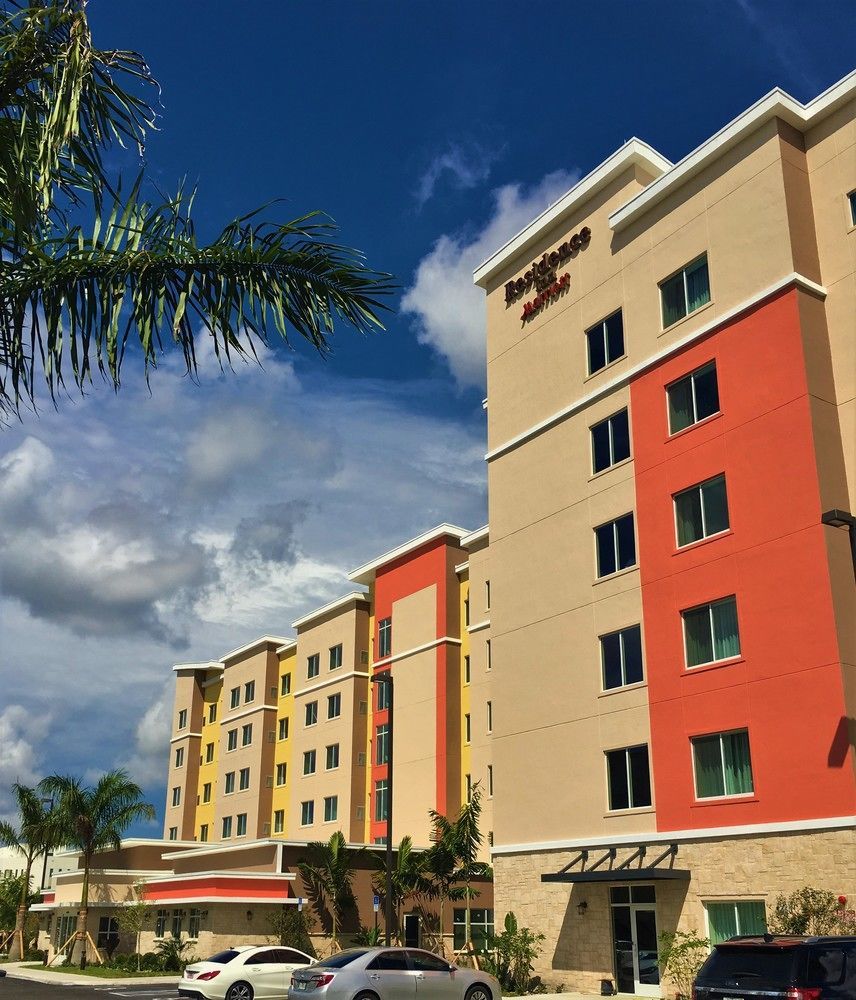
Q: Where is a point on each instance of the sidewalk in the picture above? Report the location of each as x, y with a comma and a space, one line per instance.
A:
15, 970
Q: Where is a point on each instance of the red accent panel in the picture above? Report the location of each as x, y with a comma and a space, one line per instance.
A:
787, 687
48, 897
217, 886
423, 567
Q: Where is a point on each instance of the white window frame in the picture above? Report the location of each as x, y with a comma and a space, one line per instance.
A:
490, 716
176, 796
310, 757
710, 606
179, 756
307, 808
235, 697
336, 653
490, 781
311, 710
601, 326
279, 820
243, 774
334, 700
612, 459
231, 740
285, 685
384, 637
226, 828
281, 772
206, 793
282, 729
328, 801
614, 525
249, 692
241, 825
467, 669
182, 719
726, 795
697, 487
229, 783
692, 379
247, 734
327, 765
313, 666
468, 729
624, 682
683, 272
626, 752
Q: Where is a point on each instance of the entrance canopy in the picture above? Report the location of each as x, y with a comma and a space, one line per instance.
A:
630, 869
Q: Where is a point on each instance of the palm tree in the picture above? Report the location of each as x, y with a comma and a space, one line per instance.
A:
32, 838
460, 839
93, 820
409, 879
441, 869
72, 296
328, 873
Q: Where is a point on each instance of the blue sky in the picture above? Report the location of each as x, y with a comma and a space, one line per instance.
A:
142, 530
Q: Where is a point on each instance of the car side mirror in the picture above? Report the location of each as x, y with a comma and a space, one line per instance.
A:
452, 968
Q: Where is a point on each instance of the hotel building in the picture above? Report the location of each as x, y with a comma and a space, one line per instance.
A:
671, 373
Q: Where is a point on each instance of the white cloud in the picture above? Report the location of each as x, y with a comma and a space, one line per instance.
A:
465, 167
147, 763
21, 733
448, 309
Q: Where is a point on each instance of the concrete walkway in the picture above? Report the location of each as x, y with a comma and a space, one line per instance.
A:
16, 970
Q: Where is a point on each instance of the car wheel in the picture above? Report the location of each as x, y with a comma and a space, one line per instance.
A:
240, 991
366, 996
478, 992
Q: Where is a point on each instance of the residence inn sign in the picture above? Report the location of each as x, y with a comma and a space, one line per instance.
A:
542, 274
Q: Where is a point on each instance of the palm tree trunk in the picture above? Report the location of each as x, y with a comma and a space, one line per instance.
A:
16, 952
78, 951
442, 939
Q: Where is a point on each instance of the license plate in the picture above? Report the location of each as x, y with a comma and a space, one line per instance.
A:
301, 984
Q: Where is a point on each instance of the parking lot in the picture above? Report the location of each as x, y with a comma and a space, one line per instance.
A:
25, 989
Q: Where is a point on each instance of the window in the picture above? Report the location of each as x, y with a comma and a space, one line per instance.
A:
247, 734
331, 808
488, 655
285, 685
313, 665
279, 821
241, 830
249, 691
685, 291
621, 657
234, 697
209, 752
490, 716
701, 511
467, 610
334, 706
227, 827
610, 441
282, 731
244, 779
382, 697
232, 739
381, 801
466, 670
203, 833
468, 728
382, 744
468, 780
311, 713
725, 920
176, 796
605, 342
852, 199
179, 756
490, 779
307, 813
108, 932
309, 761
693, 398
616, 545
629, 779
481, 928
206, 792
212, 712
194, 923
230, 783
711, 632
487, 595
389, 961
332, 757
384, 637
722, 765
160, 923
336, 657
281, 770
182, 719
177, 921
173, 833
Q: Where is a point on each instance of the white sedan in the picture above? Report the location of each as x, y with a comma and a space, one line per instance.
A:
243, 973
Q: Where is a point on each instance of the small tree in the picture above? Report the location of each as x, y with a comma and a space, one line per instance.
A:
681, 955
409, 879
134, 916
290, 927
811, 911
328, 873
512, 955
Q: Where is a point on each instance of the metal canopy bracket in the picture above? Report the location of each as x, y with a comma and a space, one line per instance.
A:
627, 871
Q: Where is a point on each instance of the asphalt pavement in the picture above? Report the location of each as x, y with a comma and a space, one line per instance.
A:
27, 989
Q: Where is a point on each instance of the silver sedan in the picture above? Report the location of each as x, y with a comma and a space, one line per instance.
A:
390, 974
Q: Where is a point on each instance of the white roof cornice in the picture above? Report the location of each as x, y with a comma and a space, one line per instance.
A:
338, 605
365, 574
260, 643
181, 668
634, 151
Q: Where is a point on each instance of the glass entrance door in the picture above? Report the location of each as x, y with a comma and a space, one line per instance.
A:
634, 937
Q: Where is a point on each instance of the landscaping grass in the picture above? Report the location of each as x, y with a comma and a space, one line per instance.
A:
99, 971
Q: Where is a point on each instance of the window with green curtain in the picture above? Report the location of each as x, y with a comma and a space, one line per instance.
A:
726, 635
688, 516
674, 303
681, 412
715, 502
698, 639
727, 919
707, 755
738, 765
698, 285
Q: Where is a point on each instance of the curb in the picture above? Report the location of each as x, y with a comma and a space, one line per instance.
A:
15, 971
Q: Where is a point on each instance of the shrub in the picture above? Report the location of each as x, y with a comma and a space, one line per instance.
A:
811, 911
681, 955
514, 952
151, 962
368, 936
291, 928
34, 955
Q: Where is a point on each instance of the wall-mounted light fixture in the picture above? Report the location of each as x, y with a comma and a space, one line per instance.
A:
249, 914
842, 519
582, 907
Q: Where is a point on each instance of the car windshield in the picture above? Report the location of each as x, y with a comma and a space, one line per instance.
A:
342, 959
222, 957
755, 967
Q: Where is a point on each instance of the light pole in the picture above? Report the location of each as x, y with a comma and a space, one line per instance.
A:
386, 678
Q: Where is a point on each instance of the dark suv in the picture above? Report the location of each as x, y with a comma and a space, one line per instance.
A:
779, 967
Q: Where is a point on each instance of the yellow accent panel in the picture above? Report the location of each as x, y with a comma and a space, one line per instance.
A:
282, 753
212, 695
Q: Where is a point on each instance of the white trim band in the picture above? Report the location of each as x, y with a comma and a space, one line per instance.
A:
478, 627
417, 649
620, 380
665, 837
330, 680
